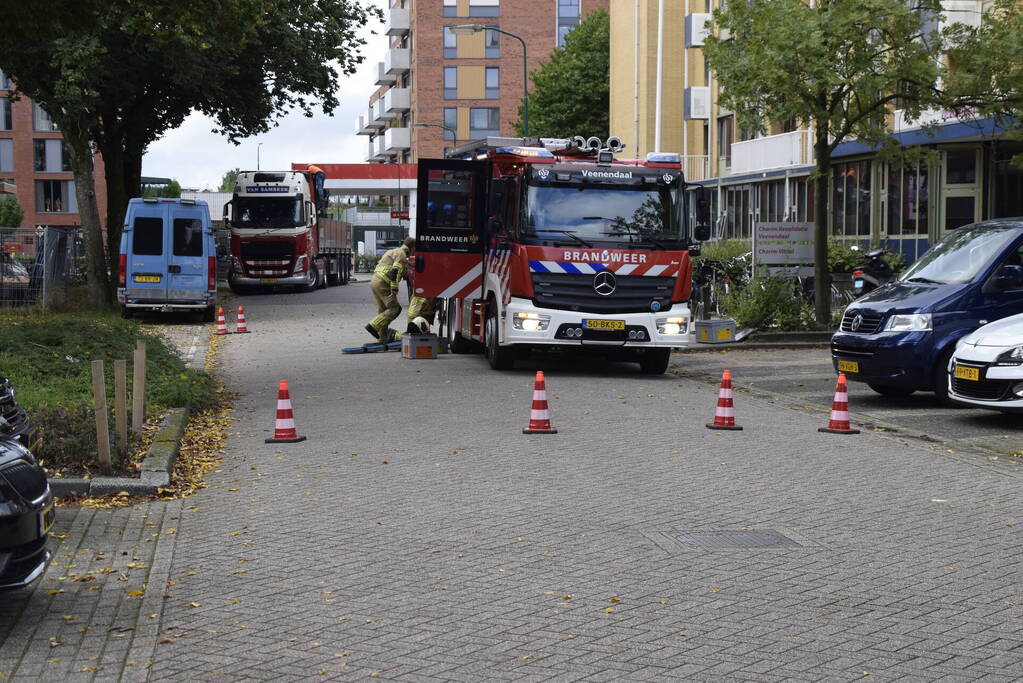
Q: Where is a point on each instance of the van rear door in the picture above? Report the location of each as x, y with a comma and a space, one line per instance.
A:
186, 245
146, 254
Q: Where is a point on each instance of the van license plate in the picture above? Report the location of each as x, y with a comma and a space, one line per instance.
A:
963, 372
604, 324
46, 517
269, 281
147, 278
848, 366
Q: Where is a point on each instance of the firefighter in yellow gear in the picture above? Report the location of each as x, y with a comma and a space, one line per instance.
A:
387, 277
421, 307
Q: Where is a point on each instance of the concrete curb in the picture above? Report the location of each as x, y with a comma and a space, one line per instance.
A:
765, 341
158, 464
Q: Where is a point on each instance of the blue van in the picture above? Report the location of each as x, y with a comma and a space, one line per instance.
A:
168, 259
899, 338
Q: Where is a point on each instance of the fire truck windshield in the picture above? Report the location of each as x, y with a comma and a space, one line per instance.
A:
601, 213
268, 213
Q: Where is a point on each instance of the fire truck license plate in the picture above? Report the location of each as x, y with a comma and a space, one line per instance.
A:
147, 278
963, 372
604, 324
848, 366
269, 281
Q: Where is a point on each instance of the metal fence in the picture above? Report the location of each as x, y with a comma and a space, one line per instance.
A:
38, 265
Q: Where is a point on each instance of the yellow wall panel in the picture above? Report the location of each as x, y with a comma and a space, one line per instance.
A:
463, 123
472, 46
463, 8
471, 85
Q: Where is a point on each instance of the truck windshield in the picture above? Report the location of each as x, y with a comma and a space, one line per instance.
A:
592, 213
267, 213
960, 255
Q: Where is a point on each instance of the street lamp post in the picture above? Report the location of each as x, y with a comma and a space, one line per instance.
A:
469, 29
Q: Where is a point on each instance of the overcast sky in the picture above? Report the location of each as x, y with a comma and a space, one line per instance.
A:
197, 158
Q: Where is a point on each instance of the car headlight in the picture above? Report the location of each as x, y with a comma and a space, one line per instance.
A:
674, 325
530, 322
1013, 356
909, 322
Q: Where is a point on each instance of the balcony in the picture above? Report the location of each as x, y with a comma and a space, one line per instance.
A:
371, 151
397, 23
772, 152
384, 78
380, 116
396, 60
397, 140
696, 167
371, 119
397, 100
361, 128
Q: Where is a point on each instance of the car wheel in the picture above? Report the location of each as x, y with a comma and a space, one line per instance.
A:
500, 357
655, 361
890, 390
456, 342
940, 379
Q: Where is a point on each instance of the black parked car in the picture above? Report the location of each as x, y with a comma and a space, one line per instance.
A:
14, 423
26, 515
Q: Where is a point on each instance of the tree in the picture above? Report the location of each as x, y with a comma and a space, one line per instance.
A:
228, 181
838, 66
571, 90
171, 189
10, 211
119, 74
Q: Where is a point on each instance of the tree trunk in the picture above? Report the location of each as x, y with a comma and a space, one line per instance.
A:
821, 274
117, 197
96, 273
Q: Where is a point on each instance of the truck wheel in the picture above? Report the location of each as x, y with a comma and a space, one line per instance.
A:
456, 342
313, 280
655, 361
500, 357
333, 278
321, 278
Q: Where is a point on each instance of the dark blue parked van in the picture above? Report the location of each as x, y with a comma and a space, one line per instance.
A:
168, 259
899, 338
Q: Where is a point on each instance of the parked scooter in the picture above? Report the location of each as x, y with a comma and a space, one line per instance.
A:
873, 273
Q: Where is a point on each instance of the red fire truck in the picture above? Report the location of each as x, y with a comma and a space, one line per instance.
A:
539, 244
280, 234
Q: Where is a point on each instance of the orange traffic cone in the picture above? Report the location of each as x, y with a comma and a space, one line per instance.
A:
539, 416
284, 428
839, 422
724, 413
221, 323
240, 327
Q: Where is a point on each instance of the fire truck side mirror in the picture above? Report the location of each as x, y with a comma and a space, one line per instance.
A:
702, 229
420, 262
228, 210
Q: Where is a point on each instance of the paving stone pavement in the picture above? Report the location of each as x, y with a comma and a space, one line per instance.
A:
419, 535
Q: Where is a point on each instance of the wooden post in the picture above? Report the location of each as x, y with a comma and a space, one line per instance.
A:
121, 406
99, 397
138, 389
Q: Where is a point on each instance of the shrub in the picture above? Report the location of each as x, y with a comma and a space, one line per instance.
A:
769, 302
842, 258
365, 263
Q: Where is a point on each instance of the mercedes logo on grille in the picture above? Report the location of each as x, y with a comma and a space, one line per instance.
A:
856, 322
604, 283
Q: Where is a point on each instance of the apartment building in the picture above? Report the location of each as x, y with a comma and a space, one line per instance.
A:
440, 86
35, 166
765, 176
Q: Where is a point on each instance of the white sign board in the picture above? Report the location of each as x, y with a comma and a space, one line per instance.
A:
783, 244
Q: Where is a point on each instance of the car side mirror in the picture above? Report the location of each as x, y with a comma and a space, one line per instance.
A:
1009, 277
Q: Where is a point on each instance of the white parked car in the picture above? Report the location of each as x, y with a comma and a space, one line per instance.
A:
986, 370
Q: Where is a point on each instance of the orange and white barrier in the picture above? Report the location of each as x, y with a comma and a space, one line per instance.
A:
724, 413
240, 327
539, 413
839, 421
284, 427
221, 322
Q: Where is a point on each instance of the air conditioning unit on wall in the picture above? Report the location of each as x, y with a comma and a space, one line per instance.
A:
697, 102
696, 29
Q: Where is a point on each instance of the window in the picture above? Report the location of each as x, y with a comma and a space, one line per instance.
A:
907, 200
41, 121
850, 199
493, 87
51, 156
187, 237
484, 121
451, 82
484, 8
568, 16
5, 114
451, 43
5, 82
725, 124
450, 122
450, 8
147, 236
492, 45
56, 196
6, 156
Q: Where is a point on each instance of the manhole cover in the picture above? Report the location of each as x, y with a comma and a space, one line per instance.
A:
723, 540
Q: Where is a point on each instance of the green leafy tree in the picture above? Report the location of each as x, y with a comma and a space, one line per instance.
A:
838, 66
119, 74
571, 90
228, 181
10, 211
171, 189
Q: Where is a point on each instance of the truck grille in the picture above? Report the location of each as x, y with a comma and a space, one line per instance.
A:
28, 480
984, 390
574, 292
870, 323
268, 250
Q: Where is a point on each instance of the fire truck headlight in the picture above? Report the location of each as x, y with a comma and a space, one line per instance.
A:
675, 325
299, 264
530, 322
236, 264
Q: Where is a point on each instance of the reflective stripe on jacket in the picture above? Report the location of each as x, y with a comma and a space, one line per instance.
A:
391, 266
